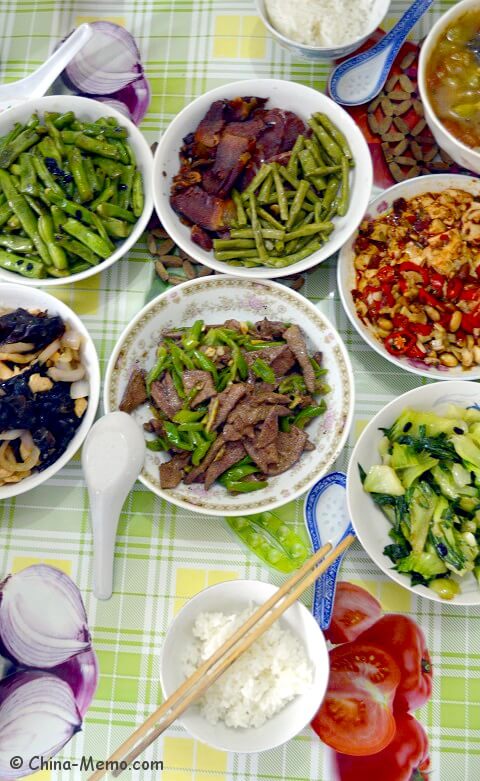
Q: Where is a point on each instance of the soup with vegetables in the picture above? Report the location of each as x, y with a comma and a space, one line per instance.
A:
453, 79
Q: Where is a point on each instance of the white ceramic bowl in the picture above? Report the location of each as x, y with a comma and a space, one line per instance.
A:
346, 271
214, 300
304, 101
462, 154
87, 110
378, 12
370, 524
236, 596
13, 296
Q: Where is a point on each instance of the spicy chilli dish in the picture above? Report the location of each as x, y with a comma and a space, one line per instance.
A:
229, 402
417, 284
43, 391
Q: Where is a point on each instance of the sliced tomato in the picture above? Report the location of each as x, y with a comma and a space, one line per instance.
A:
404, 759
356, 716
405, 641
351, 720
354, 611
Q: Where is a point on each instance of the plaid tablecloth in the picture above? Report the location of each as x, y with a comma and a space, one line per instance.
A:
165, 555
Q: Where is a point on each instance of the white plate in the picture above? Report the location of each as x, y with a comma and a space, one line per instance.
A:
346, 271
233, 597
369, 522
214, 300
304, 101
13, 296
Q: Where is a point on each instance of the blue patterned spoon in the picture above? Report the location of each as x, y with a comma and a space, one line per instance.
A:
358, 79
327, 520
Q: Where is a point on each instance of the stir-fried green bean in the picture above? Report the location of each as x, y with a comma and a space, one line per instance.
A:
286, 212
86, 172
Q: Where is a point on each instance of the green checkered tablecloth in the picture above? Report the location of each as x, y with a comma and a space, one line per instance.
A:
165, 555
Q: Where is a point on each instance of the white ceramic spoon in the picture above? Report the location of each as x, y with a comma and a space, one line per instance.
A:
112, 457
37, 83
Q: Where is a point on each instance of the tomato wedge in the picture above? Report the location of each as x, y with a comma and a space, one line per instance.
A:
405, 641
354, 611
404, 759
356, 715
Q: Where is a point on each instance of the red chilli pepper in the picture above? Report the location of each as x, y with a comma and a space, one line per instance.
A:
437, 281
426, 298
415, 352
471, 293
409, 265
454, 289
386, 274
386, 289
399, 342
425, 329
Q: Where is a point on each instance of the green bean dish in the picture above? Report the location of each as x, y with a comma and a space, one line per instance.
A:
69, 190
230, 403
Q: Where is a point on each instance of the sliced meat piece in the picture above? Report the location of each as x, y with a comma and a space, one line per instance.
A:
265, 457
135, 393
233, 154
290, 446
263, 396
154, 426
201, 237
202, 209
233, 325
208, 132
198, 471
293, 127
239, 109
171, 472
269, 142
269, 329
165, 396
248, 414
234, 451
318, 357
309, 446
234, 434
227, 400
249, 129
296, 342
203, 379
269, 430
281, 359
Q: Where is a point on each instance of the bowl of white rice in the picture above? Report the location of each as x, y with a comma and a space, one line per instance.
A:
271, 692
321, 29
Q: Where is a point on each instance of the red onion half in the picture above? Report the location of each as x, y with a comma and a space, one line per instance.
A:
109, 68
38, 716
42, 617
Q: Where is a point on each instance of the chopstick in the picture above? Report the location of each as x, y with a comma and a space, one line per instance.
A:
235, 645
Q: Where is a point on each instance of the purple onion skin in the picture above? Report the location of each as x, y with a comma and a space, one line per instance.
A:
81, 673
135, 96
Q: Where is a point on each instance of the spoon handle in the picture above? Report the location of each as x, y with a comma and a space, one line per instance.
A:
334, 530
400, 30
105, 512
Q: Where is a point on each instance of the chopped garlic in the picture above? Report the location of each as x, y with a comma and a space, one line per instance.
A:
80, 406
38, 384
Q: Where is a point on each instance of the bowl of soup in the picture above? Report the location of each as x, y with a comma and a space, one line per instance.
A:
449, 82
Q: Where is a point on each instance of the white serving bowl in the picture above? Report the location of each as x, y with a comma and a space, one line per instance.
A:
214, 300
14, 296
462, 154
87, 110
370, 524
233, 597
346, 271
306, 51
302, 100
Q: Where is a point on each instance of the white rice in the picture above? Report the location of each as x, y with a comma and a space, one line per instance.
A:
260, 683
321, 22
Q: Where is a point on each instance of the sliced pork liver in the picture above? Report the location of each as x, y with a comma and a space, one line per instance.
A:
171, 472
196, 377
290, 446
135, 393
165, 396
296, 342
234, 451
227, 400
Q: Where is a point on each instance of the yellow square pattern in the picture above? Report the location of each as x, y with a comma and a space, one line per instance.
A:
210, 759
177, 753
83, 297
189, 581
41, 775
21, 562
242, 37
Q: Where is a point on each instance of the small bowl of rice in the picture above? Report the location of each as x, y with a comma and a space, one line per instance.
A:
270, 693
321, 29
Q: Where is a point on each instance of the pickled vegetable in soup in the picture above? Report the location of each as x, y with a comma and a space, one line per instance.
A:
453, 79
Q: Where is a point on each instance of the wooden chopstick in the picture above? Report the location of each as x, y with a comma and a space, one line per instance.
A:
195, 686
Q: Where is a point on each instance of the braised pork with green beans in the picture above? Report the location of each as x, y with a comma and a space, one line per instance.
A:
69, 191
230, 403
259, 186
